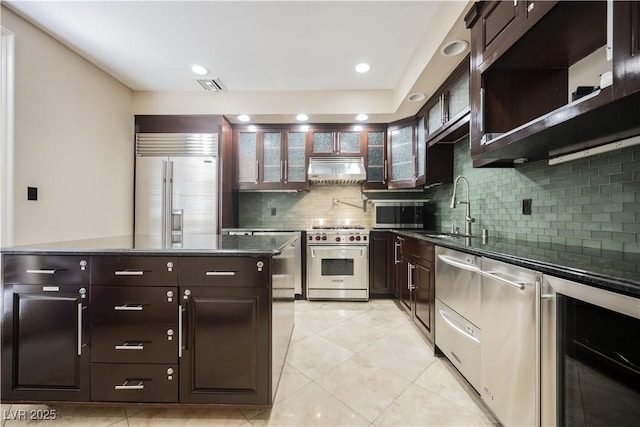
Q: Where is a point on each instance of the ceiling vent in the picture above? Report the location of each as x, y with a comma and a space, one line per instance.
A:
214, 85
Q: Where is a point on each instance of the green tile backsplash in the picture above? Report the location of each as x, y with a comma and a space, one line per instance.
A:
592, 203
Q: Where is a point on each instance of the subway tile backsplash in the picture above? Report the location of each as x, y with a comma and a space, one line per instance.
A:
592, 203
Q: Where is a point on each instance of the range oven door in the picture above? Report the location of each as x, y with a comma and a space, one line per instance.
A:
337, 271
590, 355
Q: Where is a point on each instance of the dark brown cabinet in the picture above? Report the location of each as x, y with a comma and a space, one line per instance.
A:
626, 53
224, 321
380, 263
415, 281
447, 112
271, 158
45, 328
336, 140
375, 141
527, 60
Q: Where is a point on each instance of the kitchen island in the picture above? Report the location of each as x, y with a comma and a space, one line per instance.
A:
124, 319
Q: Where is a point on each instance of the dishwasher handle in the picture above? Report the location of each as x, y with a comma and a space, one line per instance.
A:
494, 276
490, 274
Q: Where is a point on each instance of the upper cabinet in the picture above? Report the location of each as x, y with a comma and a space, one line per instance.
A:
333, 141
375, 141
403, 155
447, 112
271, 159
540, 82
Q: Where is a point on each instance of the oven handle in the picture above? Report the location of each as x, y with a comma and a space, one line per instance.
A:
362, 248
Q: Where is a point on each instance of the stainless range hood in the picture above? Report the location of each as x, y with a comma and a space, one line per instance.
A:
336, 170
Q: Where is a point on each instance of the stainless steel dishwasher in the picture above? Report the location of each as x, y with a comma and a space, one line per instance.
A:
458, 311
510, 352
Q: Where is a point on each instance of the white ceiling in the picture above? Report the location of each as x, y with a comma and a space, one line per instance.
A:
259, 49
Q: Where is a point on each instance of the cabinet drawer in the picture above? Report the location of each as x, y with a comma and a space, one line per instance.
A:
124, 305
46, 270
224, 271
134, 271
134, 383
135, 344
418, 249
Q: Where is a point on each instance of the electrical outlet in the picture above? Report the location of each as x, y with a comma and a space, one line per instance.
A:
526, 206
273, 211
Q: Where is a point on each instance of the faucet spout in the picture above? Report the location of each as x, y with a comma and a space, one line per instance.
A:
454, 203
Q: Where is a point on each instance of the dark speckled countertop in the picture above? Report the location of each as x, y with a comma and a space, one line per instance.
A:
615, 271
200, 244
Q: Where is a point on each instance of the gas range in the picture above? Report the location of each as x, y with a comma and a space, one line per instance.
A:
337, 233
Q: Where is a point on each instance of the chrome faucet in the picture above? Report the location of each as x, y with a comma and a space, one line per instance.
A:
454, 202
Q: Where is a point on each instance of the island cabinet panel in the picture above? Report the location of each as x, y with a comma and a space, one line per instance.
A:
224, 271
134, 270
122, 382
134, 324
225, 355
45, 333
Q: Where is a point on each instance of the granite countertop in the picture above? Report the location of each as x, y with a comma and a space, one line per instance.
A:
196, 244
612, 270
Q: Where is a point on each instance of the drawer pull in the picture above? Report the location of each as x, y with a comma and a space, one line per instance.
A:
220, 273
125, 385
127, 346
127, 307
129, 273
44, 271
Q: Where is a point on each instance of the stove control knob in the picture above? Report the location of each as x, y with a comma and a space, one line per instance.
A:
317, 237
358, 238
352, 238
324, 237
338, 239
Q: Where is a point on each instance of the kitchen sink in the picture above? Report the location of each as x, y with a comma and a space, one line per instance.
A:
448, 236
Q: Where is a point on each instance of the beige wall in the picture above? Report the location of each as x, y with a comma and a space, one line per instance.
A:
73, 140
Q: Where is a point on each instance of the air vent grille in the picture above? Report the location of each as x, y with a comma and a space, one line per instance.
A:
214, 85
177, 144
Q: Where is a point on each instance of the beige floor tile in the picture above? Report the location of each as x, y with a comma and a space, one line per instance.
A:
310, 406
419, 407
352, 335
442, 379
291, 381
363, 386
315, 355
153, 417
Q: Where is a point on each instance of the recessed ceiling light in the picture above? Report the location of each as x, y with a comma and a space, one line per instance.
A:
454, 48
357, 128
253, 127
361, 117
244, 118
363, 67
416, 97
304, 128
199, 70
302, 117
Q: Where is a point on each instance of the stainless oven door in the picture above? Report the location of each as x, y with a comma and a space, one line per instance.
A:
590, 355
334, 268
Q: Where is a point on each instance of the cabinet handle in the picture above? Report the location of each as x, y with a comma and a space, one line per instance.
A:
410, 269
492, 275
257, 170
481, 114
395, 252
127, 346
384, 172
80, 329
129, 273
281, 170
125, 385
126, 307
286, 171
44, 271
180, 314
530, 7
220, 273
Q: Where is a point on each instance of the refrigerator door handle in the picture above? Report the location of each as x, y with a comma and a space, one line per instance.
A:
167, 227
163, 202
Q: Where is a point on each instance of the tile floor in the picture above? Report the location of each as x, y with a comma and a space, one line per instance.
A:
349, 364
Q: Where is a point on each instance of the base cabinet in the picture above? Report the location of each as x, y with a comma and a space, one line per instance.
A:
380, 267
415, 281
45, 333
225, 345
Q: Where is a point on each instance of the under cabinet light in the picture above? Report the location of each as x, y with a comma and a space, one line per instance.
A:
630, 142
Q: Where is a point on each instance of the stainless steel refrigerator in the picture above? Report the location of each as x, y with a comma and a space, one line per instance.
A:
176, 187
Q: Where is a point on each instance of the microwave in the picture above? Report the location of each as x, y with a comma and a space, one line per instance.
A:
399, 214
